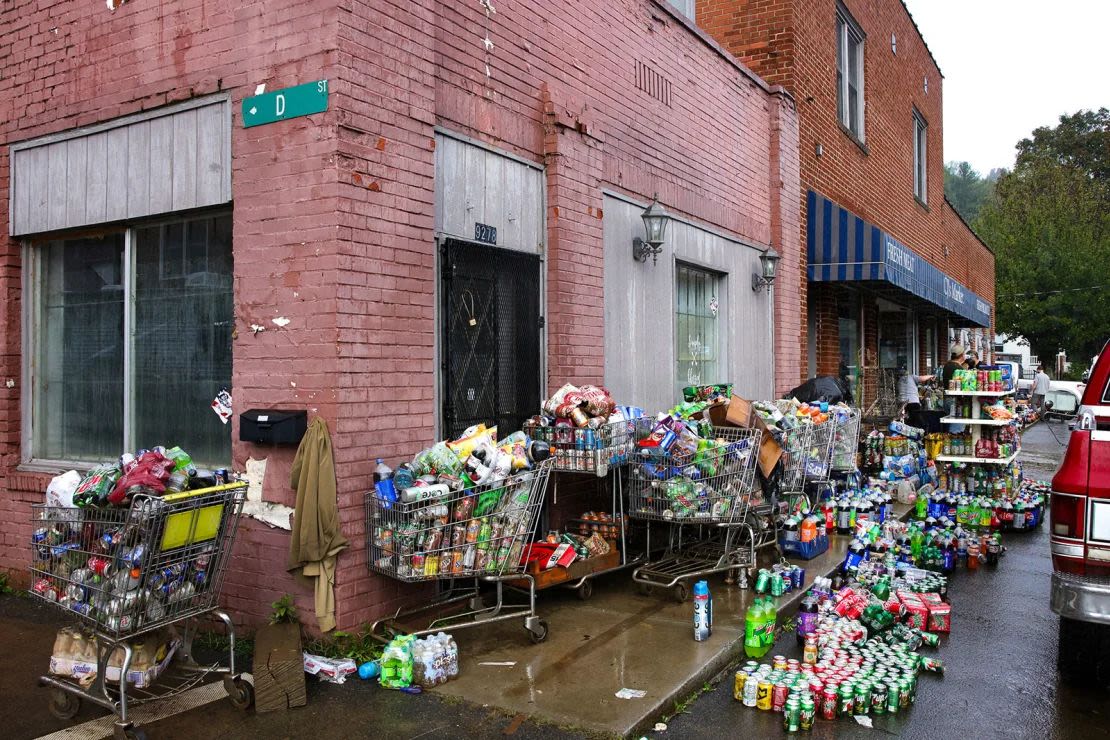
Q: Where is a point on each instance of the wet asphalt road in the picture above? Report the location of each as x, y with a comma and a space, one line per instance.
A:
1000, 675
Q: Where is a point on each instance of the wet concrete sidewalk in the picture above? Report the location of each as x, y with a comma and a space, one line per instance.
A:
618, 639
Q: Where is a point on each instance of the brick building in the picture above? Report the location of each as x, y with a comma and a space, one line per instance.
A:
157, 249
892, 271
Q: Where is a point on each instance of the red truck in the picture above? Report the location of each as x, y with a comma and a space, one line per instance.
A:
1080, 518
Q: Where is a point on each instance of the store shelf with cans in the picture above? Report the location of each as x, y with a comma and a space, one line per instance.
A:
129, 561
969, 388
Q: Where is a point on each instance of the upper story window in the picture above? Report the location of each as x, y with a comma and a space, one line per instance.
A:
687, 7
920, 157
849, 72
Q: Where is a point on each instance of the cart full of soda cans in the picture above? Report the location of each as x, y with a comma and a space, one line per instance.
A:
698, 480
464, 510
144, 545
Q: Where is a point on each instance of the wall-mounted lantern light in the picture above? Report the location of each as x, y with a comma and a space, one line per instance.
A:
769, 262
655, 224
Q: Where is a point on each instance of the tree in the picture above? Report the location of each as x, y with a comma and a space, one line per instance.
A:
1049, 224
966, 189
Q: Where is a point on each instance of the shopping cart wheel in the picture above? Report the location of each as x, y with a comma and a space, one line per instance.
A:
645, 589
585, 591
538, 633
63, 704
680, 592
128, 732
240, 692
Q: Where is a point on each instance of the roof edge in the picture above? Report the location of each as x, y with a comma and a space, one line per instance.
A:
922, 37
954, 210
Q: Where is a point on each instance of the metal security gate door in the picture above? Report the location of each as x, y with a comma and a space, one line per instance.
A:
491, 326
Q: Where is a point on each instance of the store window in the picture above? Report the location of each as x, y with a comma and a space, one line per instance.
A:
920, 157
132, 341
848, 314
849, 72
931, 361
697, 336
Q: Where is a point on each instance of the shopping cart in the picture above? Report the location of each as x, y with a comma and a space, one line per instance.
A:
124, 573
604, 452
705, 502
479, 535
808, 451
846, 441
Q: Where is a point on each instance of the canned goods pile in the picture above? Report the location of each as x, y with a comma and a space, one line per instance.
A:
686, 471
587, 431
843, 671
985, 380
152, 472
132, 569
463, 508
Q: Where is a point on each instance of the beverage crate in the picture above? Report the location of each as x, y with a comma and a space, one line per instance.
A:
804, 550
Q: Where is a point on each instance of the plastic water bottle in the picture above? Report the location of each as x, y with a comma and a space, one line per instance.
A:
383, 484
703, 611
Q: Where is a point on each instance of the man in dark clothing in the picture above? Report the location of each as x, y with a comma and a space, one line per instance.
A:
954, 364
972, 361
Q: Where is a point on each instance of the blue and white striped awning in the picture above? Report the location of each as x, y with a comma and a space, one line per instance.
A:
844, 248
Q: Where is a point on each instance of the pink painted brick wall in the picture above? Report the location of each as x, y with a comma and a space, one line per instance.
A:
333, 213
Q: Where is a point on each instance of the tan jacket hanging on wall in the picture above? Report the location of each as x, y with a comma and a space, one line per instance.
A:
316, 539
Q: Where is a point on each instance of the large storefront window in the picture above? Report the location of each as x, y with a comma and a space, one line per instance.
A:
132, 337
697, 339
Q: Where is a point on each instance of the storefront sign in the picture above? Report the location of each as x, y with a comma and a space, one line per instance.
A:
292, 102
842, 247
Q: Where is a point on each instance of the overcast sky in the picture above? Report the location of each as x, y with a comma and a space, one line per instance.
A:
1012, 65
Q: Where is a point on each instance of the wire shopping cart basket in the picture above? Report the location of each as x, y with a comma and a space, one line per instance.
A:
127, 572
704, 501
476, 535
809, 448
846, 442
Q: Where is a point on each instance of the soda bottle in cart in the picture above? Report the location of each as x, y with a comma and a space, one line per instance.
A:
383, 484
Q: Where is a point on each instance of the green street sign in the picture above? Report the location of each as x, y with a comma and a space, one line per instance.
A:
301, 100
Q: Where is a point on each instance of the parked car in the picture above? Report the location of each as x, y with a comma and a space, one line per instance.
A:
1080, 517
1063, 400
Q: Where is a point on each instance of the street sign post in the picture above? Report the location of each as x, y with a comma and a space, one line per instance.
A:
271, 107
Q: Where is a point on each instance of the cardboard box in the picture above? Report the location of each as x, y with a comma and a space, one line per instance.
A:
940, 618
917, 613
740, 413
564, 555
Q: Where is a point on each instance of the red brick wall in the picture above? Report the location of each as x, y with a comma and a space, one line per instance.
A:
558, 97
794, 41
71, 63
333, 214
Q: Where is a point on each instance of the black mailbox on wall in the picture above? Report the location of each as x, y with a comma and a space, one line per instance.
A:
272, 426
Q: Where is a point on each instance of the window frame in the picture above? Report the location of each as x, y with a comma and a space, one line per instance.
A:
920, 157
31, 322
720, 285
847, 29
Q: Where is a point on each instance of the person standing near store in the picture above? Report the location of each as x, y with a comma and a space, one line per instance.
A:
972, 361
955, 362
909, 396
1040, 388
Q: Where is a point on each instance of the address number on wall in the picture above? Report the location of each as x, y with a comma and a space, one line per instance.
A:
485, 233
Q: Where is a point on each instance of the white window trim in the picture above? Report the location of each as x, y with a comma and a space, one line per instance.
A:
31, 320
920, 157
847, 27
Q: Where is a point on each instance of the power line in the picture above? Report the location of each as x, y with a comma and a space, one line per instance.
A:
1052, 292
